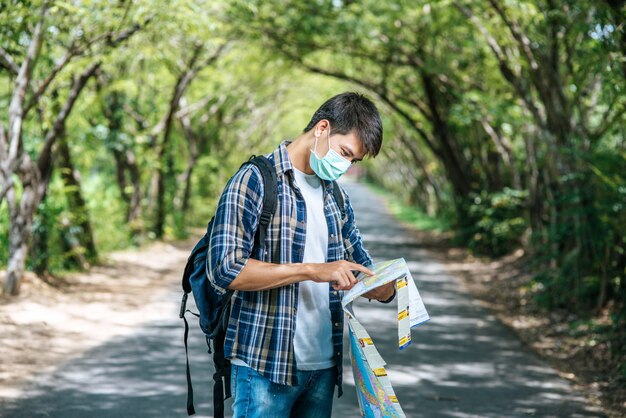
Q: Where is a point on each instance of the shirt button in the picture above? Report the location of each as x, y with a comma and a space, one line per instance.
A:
338, 354
336, 324
336, 293
332, 235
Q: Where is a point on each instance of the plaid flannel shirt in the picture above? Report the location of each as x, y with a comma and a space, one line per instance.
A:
261, 327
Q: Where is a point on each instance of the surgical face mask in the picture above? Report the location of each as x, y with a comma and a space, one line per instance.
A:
332, 166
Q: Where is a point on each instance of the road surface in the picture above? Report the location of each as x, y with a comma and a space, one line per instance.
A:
462, 363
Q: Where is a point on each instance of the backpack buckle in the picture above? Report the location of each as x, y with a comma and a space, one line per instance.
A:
183, 305
265, 218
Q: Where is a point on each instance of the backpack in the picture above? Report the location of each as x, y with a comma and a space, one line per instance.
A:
214, 308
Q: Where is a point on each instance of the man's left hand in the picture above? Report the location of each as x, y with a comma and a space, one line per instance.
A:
383, 292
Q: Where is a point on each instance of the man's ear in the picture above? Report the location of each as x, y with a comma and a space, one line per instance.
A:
321, 126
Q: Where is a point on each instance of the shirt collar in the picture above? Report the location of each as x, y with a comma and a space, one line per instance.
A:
282, 162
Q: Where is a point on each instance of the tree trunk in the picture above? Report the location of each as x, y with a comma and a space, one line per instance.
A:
535, 202
76, 202
134, 208
458, 174
18, 164
194, 151
504, 149
19, 233
120, 174
127, 176
126, 170
421, 164
39, 245
165, 158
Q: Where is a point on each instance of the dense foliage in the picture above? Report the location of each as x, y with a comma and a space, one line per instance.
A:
121, 122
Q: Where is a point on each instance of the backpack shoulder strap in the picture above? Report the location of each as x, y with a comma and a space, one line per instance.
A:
270, 186
338, 194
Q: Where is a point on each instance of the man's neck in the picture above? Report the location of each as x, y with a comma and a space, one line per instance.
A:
299, 153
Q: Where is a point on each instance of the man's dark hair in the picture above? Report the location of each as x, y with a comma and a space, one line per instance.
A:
349, 112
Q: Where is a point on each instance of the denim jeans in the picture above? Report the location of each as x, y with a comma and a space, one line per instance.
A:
255, 396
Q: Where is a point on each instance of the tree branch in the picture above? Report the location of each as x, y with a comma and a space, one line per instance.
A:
3, 144
7, 62
4, 175
183, 81
136, 116
45, 155
609, 121
110, 38
16, 111
515, 80
518, 35
190, 109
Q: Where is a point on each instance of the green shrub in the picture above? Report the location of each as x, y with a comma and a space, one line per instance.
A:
495, 222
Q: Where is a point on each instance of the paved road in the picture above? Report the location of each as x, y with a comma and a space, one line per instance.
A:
462, 363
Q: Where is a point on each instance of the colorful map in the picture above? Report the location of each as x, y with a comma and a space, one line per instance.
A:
374, 391
373, 400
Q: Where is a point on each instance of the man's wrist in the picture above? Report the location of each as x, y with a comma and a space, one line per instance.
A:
371, 293
307, 271
390, 298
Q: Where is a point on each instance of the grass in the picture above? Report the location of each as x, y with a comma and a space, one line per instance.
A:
409, 214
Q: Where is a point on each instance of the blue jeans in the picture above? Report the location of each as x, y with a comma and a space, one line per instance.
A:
255, 396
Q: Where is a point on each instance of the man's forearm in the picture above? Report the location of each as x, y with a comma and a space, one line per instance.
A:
259, 275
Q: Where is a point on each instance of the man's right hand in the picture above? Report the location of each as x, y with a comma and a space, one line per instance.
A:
339, 273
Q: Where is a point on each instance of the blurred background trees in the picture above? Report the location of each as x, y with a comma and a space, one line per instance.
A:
122, 121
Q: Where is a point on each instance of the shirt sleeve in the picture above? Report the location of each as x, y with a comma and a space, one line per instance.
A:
235, 223
352, 240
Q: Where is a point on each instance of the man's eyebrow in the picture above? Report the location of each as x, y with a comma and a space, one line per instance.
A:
350, 153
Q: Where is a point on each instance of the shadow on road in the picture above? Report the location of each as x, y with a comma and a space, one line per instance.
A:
462, 363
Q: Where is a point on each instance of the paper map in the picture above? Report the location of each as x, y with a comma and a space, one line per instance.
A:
374, 391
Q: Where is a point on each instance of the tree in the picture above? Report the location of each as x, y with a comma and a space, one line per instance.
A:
33, 174
164, 156
549, 56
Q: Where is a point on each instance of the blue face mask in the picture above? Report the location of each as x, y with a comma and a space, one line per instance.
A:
332, 166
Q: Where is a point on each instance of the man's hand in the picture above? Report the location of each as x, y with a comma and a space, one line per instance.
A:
383, 292
339, 273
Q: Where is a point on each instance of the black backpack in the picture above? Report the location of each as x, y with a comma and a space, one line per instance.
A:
214, 308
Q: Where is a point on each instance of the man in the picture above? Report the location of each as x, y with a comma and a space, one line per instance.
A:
284, 336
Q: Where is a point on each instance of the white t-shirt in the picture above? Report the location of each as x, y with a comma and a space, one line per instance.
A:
312, 342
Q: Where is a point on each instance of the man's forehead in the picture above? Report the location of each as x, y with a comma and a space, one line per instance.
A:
352, 142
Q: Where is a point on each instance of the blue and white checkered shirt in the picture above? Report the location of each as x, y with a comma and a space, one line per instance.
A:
262, 323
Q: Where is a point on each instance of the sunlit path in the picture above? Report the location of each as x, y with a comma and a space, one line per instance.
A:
462, 363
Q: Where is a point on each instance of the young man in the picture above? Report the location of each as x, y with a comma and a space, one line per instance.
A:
284, 336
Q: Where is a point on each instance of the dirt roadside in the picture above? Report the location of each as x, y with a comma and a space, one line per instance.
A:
498, 284
49, 323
